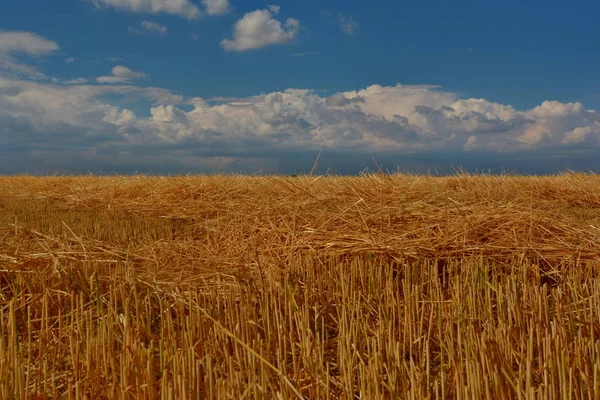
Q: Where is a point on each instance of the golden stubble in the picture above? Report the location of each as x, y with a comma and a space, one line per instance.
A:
238, 287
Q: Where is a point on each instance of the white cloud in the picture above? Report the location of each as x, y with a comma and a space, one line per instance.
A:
348, 24
149, 27
168, 113
76, 81
381, 118
121, 74
373, 120
47, 105
216, 7
111, 79
183, 8
258, 29
70, 60
26, 43
580, 134
64, 116
124, 72
16, 44
160, 96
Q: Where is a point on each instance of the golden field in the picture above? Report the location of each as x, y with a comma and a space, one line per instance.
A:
315, 287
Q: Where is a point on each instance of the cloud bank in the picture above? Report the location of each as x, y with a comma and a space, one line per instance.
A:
44, 121
68, 123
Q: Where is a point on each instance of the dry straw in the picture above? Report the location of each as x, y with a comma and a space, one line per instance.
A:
378, 286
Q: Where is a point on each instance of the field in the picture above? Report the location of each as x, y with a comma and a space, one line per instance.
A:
254, 287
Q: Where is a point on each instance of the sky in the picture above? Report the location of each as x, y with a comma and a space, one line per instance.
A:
187, 86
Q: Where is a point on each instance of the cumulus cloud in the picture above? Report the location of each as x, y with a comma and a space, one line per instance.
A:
348, 24
216, 7
394, 120
121, 74
259, 28
52, 116
149, 27
44, 117
379, 118
15, 44
183, 8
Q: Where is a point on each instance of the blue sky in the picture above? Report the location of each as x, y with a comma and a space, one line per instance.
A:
170, 85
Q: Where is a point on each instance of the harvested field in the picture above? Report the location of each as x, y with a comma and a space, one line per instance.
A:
249, 287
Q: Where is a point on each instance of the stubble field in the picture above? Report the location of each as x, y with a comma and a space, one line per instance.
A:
249, 287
